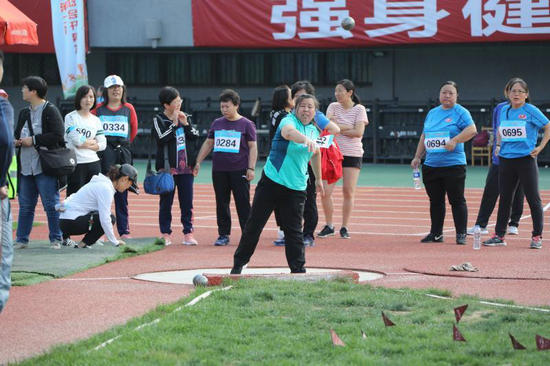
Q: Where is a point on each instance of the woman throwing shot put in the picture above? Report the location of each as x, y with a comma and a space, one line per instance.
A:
283, 185
446, 128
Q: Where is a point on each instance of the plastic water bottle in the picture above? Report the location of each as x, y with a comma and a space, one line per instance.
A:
477, 237
416, 178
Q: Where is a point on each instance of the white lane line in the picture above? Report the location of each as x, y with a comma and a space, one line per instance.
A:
94, 279
139, 327
495, 304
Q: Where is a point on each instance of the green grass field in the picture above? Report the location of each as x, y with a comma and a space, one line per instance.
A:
288, 322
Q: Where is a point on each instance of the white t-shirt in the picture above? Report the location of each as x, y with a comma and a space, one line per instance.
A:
78, 130
349, 146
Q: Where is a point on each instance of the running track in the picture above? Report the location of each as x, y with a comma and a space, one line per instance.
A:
386, 227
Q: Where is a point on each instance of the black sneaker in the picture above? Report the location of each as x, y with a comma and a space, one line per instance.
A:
344, 233
236, 269
495, 241
432, 238
461, 239
222, 240
309, 241
327, 231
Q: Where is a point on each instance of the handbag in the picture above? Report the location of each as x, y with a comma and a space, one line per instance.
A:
55, 162
157, 182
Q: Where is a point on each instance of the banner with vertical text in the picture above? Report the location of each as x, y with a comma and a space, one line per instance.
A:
69, 41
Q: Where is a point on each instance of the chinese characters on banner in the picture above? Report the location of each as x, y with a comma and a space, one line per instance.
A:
316, 23
69, 41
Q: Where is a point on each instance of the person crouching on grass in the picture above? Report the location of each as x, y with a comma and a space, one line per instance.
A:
88, 211
283, 185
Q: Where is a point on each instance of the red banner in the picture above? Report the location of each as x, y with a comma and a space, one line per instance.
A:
316, 23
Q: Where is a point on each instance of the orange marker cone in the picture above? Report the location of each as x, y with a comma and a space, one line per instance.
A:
457, 336
459, 311
387, 321
515, 343
335, 339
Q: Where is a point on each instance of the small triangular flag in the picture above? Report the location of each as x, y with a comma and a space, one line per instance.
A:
363, 334
542, 343
387, 322
335, 339
515, 343
457, 336
459, 311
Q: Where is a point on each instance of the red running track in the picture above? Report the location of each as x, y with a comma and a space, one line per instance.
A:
386, 227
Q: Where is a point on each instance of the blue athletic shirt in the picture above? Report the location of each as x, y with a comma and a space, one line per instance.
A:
287, 161
440, 126
519, 130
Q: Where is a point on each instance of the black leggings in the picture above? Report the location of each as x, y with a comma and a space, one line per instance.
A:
88, 224
449, 180
512, 172
490, 196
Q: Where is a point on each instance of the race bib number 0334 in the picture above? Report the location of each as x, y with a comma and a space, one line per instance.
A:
115, 126
512, 131
436, 141
227, 141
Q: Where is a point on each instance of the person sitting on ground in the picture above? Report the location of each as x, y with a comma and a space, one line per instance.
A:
88, 211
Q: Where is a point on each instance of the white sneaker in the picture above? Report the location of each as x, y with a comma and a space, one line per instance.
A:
69, 243
280, 234
21, 245
188, 239
167, 239
55, 245
512, 230
483, 231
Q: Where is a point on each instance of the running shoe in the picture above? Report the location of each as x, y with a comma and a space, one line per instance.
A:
536, 242
461, 239
280, 234
327, 231
126, 236
222, 240
309, 241
20, 245
344, 233
188, 239
55, 245
69, 242
167, 239
512, 230
279, 242
483, 230
432, 238
495, 241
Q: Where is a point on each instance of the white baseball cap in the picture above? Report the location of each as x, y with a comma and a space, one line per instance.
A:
112, 80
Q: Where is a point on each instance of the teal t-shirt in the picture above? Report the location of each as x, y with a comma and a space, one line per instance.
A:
287, 161
519, 130
440, 126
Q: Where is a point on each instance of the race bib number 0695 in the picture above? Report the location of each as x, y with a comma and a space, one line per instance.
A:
511, 131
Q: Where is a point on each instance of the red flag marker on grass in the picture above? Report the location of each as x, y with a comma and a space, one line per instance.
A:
457, 336
515, 343
387, 321
335, 339
542, 343
459, 311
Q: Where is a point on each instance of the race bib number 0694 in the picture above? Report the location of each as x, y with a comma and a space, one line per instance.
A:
436, 141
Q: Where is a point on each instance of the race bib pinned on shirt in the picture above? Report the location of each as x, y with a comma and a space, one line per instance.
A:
436, 141
180, 139
324, 142
227, 141
115, 126
513, 131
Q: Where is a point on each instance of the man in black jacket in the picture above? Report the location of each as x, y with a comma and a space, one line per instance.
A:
38, 126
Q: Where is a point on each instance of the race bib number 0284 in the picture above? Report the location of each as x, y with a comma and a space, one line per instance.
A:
436, 141
227, 141
512, 131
